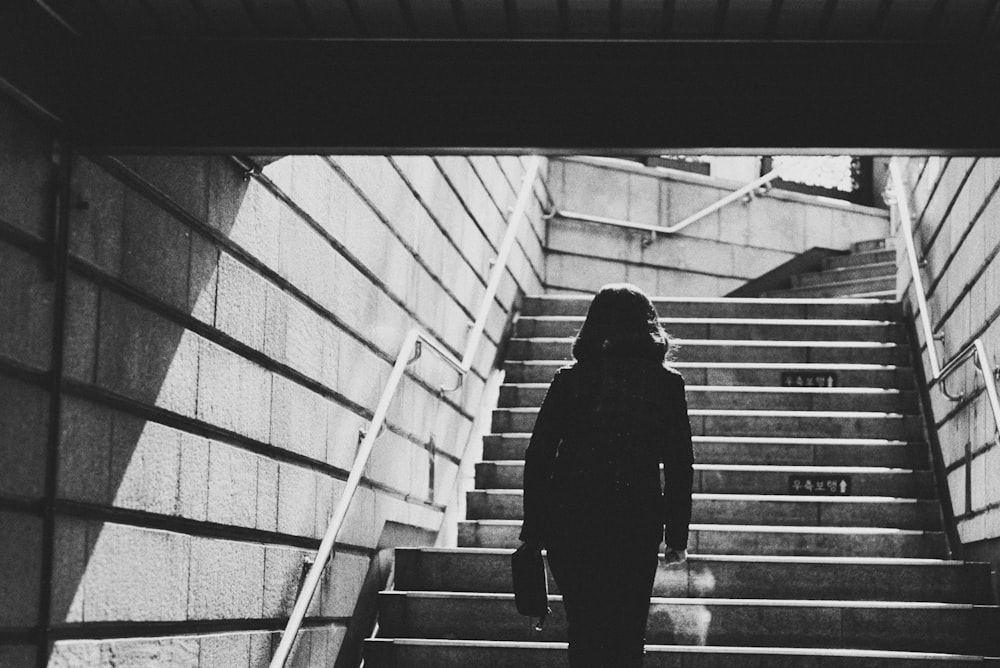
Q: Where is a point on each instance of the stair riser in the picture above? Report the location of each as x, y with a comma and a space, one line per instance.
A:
535, 349
892, 402
902, 377
954, 630
856, 273
895, 456
418, 570
787, 544
902, 428
922, 515
527, 328
748, 309
917, 485
840, 289
855, 259
387, 655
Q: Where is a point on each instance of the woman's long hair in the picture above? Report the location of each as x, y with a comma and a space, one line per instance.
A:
621, 322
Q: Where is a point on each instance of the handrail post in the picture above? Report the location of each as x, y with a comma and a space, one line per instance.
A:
990, 384
337, 519
500, 264
903, 207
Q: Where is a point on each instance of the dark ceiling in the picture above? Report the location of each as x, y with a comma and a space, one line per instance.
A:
559, 76
533, 19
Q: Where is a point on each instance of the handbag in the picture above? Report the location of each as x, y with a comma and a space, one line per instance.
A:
531, 586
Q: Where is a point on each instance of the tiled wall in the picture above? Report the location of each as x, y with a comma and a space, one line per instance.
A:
223, 340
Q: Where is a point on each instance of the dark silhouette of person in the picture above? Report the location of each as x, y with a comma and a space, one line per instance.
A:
593, 496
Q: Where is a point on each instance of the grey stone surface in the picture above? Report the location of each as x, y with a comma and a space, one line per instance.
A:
24, 411
156, 249
136, 575
146, 357
21, 554
145, 465
25, 309
227, 579
80, 344
85, 451
97, 215
232, 485
233, 392
25, 171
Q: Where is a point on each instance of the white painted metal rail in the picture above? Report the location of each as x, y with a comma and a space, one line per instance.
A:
975, 349
409, 351
737, 194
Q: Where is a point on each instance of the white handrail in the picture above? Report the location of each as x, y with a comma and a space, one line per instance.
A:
903, 206
408, 352
975, 348
740, 192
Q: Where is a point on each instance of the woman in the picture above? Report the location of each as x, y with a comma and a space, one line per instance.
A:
592, 486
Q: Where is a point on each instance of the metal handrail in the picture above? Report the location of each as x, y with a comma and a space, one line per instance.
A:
974, 349
739, 193
409, 351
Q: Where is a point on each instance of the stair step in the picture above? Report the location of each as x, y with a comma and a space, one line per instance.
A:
767, 509
528, 395
890, 625
741, 373
764, 450
738, 350
442, 653
755, 479
779, 329
730, 307
859, 272
759, 540
839, 288
833, 424
865, 257
727, 576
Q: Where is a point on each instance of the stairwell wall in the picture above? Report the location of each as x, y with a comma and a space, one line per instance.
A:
956, 209
707, 259
225, 339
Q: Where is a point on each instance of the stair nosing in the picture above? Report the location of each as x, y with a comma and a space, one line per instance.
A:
767, 528
759, 498
555, 645
769, 440
706, 601
751, 558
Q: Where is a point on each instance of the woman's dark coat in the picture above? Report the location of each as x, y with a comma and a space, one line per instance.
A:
592, 467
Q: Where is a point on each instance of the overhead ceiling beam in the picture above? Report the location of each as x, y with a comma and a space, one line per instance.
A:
409, 96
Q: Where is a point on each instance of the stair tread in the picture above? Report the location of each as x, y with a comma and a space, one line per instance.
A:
719, 300
690, 649
774, 440
751, 558
789, 498
783, 343
775, 389
789, 322
702, 601
742, 412
764, 468
765, 528
677, 364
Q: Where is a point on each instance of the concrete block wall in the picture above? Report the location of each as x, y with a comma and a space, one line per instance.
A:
709, 258
955, 203
223, 339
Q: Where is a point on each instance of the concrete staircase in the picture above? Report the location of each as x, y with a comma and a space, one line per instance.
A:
868, 271
779, 390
